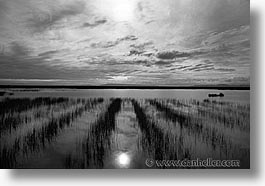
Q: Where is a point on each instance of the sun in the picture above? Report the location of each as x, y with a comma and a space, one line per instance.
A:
119, 10
123, 11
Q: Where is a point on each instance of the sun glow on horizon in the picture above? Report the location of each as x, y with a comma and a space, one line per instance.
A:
119, 78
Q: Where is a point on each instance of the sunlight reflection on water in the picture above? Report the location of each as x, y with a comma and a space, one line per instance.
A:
123, 160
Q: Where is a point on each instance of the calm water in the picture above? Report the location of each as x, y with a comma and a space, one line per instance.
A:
230, 95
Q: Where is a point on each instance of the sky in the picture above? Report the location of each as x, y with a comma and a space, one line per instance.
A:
143, 42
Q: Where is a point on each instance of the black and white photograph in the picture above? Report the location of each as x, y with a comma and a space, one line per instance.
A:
125, 84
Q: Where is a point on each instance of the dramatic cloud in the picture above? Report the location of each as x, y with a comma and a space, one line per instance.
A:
125, 41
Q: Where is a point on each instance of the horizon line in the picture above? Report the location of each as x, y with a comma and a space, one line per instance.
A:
218, 87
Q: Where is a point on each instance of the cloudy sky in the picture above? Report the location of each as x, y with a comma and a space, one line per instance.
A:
159, 42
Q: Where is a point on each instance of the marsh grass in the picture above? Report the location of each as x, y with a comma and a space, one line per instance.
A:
97, 142
37, 138
223, 141
168, 129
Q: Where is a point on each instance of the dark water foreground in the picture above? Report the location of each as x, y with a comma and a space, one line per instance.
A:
66, 132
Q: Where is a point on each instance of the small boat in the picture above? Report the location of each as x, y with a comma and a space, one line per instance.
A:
216, 95
6, 93
2, 93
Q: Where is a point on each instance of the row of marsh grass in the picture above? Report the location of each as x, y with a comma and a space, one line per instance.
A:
11, 119
226, 141
10, 105
154, 141
189, 135
97, 143
37, 118
231, 115
39, 136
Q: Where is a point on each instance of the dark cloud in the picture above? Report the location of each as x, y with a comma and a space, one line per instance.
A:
42, 20
205, 66
96, 23
225, 69
172, 55
142, 46
163, 62
201, 67
238, 80
184, 67
143, 49
107, 44
135, 52
18, 49
162, 55
140, 6
17, 67
110, 44
143, 62
128, 38
141, 53
48, 53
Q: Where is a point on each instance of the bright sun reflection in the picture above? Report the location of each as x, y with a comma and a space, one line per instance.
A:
123, 160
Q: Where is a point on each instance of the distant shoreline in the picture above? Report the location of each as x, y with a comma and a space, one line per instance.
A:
124, 87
